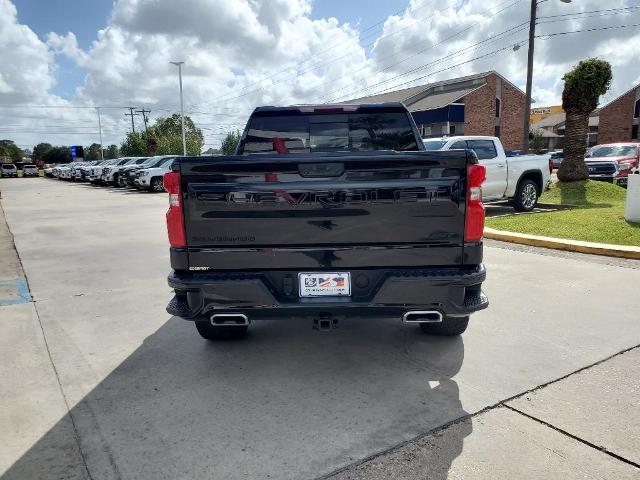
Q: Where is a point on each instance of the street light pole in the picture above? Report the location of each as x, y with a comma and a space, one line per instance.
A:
184, 141
100, 129
532, 36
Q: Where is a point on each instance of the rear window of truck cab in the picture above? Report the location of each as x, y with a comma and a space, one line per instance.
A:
300, 132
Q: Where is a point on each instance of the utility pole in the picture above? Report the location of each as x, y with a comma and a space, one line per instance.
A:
527, 106
145, 118
532, 37
131, 114
100, 130
184, 141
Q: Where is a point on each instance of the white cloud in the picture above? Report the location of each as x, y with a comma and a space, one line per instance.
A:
27, 78
238, 55
27, 69
67, 45
245, 53
4, 86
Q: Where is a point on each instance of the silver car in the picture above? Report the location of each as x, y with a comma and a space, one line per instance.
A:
30, 170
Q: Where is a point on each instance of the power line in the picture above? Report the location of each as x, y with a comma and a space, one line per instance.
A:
145, 118
62, 133
620, 9
57, 106
544, 36
459, 32
499, 50
567, 18
450, 67
131, 114
499, 36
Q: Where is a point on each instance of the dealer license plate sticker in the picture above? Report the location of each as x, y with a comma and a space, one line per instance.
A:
325, 284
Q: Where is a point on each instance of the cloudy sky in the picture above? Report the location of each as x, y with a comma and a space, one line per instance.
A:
61, 58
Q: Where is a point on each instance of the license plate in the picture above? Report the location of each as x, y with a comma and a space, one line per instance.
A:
325, 284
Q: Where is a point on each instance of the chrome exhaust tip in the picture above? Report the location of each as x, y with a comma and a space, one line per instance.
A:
422, 316
229, 320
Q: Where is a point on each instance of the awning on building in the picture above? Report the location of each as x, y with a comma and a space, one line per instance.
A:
451, 113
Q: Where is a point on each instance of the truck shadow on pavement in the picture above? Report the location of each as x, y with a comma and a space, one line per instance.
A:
287, 402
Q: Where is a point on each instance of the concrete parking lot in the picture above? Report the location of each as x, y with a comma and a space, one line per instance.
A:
99, 382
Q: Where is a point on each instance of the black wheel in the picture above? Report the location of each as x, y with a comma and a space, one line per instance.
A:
450, 326
526, 196
231, 332
121, 181
156, 185
116, 180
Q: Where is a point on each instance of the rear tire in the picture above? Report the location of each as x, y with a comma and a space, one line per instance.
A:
209, 332
157, 184
527, 195
450, 326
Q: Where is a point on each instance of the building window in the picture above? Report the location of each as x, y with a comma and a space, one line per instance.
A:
497, 131
497, 108
452, 129
636, 109
634, 132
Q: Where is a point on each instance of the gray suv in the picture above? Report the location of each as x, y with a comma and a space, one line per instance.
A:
8, 170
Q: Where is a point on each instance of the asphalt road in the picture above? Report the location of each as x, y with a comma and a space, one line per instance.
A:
100, 382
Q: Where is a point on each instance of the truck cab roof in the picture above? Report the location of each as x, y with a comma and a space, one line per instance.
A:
331, 108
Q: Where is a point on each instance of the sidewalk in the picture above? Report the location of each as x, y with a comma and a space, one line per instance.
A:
31, 401
13, 284
586, 425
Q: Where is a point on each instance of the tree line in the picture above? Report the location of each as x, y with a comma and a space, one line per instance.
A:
164, 137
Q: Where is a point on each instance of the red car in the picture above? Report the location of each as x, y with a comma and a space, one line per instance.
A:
613, 162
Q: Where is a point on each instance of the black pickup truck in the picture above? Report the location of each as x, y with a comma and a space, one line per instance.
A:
327, 212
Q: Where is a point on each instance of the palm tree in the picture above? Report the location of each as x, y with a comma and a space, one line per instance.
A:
583, 85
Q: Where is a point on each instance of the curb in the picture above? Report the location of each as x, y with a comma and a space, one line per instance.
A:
621, 251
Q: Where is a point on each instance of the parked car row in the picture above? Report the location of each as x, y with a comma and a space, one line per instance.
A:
143, 173
11, 170
610, 162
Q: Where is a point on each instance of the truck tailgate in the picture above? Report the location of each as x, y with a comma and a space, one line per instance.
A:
324, 210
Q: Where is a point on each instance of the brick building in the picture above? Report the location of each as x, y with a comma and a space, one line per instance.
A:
619, 118
481, 104
617, 121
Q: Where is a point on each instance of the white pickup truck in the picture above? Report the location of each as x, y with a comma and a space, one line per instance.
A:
520, 179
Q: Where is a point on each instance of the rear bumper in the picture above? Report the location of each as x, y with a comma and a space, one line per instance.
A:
383, 293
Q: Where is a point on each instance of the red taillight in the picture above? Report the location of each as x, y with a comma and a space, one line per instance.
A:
175, 217
474, 220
